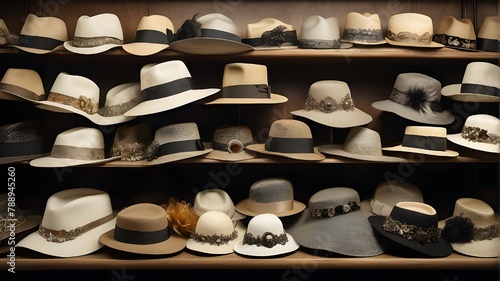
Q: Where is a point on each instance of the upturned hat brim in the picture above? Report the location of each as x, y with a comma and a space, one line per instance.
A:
313, 156
337, 119
403, 44
53, 162
436, 118
256, 251
68, 45
242, 207
457, 139
32, 219
209, 46
338, 150
175, 243
144, 48
275, 99
454, 92
401, 148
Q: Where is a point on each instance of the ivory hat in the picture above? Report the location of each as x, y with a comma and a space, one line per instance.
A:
480, 132
488, 36
329, 102
411, 30
165, 86
473, 228
41, 35
72, 223
270, 33
361, 143
480, 83
119, 99
96, 34
74, 147
246, 83
363, 29
154, 34
22, 141
426, 140
20, 84
320, 33
216, 200
456, 33
229, 143
131, 141
291, 139
23, 220
416, 97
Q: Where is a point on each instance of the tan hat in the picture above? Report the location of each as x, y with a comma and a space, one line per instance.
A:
41, 35
456, 33
488, 37
363, 29
270, 33
22, 141
154, 34
131, 142
246, 83
20, 84
320, 33
6, 38
480, 132
411, 30
229, 143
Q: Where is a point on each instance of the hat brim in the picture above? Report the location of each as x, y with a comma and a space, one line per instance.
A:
437, 250
206, 248
242, 207
176, 157
53, 162
275, 98
68, 45
457, 139
144, 48
337, 119
82, 245
20, 158
454, 92
343, 45
313, 156
209, 46
436, 118
403, 44
347, 234
32, 219
256, 251
383, 41
38, 51
170, 102
175, 243
245, 154
12, 94
337, 150
401, 148
271, 48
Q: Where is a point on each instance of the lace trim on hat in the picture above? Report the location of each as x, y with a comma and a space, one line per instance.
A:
10, 219
267, 239
215, 239
409, 37
363, 35
412, 232
119, 109
459, 229
319, 44
455, 41
339, 210
129, 152
329, 104
84, 42
476, 134
278, 36
88, 105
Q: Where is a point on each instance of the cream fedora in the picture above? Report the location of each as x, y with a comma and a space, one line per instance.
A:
363, 29
131, 141
21, 84
96, 34
424, 140
246, 83
74, 147
411, 30
119, 99
270, 33
72, 223
480, 132
229, 143
456, 33
216, 200
165, 86
320, 33
488, 36
329, 102
22, 141
480, 83
154, 34
41, 35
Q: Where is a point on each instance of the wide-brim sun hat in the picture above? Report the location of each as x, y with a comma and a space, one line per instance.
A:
480, 132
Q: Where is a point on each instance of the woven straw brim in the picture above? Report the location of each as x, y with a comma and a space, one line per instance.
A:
144, 48
403, 44
401, 148
53, 162
68, 45
38, 51
176, 157
316, 156
338, 150
486, 147
454, 92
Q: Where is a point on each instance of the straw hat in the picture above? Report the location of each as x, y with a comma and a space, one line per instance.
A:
270, 34
96, 34
424, 140
229, 143
22, 141
329, 102
131, 142
363, 29
246, 83
473, 228
154, 34
74, 147
361, 143
216, 200
289, 138
480, 132
416, 97
411, 30
456, 33
320, 33
24, 220
488, 37
72, 223
143, 229
120, 99
20, 84
41, 35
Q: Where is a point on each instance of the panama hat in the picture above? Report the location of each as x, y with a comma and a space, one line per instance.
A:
175, 142
22, 141
270, 33
131, 141
229, 143
72, 223
416, 97
165, 86
41, 35
411, 30
143, 229
363, 29
291, 139
20, 84
456, 33
424, 140
473, 228
329, 102
96, 34
480, 132
211, 34
333, 222
270, 195
488, 36
74, 147
154, 34
480, 83
22, 221
361, 143
320, 33
6, 38
246, 83
421, 235
119, 99
216, 199
266, 237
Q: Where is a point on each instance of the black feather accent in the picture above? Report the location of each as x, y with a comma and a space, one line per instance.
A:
189, 29
458, 230
417, 97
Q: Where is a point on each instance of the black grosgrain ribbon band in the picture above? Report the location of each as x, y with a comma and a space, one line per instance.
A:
480, 89
22, 148
425, 142
141, 237
154, 36
212, 33
289, 145
259, 91
180, 146
224, 146
38, 42
168, 89
490, 45
274, 37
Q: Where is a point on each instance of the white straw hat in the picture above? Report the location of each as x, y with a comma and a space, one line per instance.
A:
41, 35
480, 132
320, 33
363, 29
488, 36
411, 30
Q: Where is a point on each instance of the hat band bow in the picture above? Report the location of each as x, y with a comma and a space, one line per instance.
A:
425, 142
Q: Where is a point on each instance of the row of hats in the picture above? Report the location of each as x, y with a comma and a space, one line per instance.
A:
217, 34
396, 219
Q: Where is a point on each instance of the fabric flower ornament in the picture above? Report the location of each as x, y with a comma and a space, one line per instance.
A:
181, 216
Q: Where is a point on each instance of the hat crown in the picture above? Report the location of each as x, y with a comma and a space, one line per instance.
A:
490, 29
271, 190
123, 93
391, 193
155, 22
482, 73
214, 222
363, 141
257, 29
50, 27
335, 89
452, 26
161, 73
144, 217
24, 131
415, 213
332, 197
81, 137
213, 200
225, 135
318, 28
105, 24
478, 211
75, 86
290, 128
129, 134
489, 123
219, 22
417, 84
363, 21
244, 74
264, 223
410, 22
177, 132
24, 78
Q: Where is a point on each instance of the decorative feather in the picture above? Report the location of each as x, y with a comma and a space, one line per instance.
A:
423, 100
181, 216
458, 230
